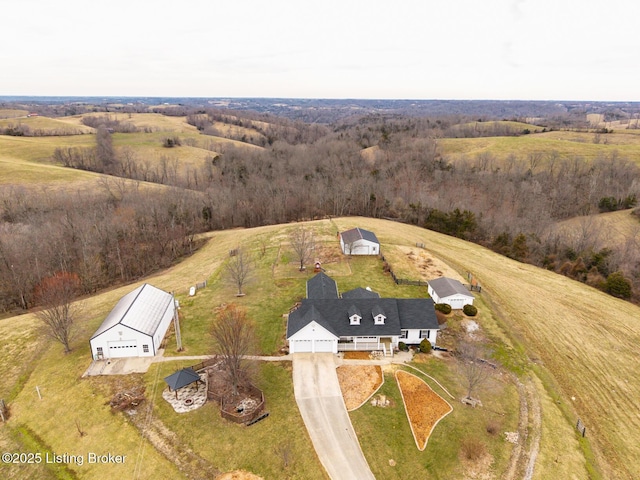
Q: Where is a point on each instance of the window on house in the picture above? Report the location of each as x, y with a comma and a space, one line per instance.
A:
354, 320
424, 333
404, 333
145, 348
379, 319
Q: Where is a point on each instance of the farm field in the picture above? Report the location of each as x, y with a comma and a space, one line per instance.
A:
611, 228
563, 144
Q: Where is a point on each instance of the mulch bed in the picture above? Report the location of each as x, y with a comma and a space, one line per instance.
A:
357, 356
358, 383
424, 407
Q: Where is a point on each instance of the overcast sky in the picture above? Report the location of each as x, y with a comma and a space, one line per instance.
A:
414, 49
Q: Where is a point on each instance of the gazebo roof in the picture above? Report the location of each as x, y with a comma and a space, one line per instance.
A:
181, 378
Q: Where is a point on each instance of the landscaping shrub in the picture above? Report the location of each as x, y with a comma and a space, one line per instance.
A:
403, 347
493, 427
470, 310
425, 346
443, 307
472, 449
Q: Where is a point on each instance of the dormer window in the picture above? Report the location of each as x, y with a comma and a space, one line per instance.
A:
354, 315
378, 315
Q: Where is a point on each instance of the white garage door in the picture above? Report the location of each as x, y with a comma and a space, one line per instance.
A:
323, 346
125, 348
301, 346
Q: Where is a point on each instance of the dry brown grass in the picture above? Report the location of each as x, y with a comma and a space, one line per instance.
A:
238, 475
605, 229
358, 383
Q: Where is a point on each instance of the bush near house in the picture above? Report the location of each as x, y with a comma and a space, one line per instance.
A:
443, 307
425, 346
470, 310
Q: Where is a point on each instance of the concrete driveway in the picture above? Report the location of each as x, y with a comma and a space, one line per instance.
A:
319, 399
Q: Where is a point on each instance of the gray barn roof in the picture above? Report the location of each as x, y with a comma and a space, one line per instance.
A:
322, 286
445, 287
141, 310
355, 234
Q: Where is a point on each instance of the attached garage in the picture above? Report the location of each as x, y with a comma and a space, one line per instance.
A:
136, 326
311, 338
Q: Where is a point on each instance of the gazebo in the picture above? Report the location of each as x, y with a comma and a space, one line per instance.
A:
181, 379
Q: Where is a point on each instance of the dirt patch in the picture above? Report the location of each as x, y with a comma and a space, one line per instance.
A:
357, 356
238, 475
358, 383
428, 266
424, 407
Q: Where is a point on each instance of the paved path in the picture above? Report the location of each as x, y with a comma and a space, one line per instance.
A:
319, 399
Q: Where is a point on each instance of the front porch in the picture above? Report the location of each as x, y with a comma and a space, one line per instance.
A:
369, 344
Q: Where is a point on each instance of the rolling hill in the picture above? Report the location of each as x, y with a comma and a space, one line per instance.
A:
579, 344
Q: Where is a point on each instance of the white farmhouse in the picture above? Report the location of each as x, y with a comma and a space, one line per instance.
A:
136, 325
359, 242
449, 291
327, 323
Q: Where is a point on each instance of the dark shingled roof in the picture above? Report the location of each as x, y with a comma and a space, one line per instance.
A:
333, 314
181, 378
360, 293
322, 286
445, 287
354, 234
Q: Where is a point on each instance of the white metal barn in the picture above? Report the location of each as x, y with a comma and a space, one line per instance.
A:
136, 325
359, 242
449, 291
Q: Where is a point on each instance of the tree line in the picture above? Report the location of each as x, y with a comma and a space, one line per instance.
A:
115, 234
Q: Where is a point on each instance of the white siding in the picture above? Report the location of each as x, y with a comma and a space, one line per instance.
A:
313, 338
121, 341
360, 247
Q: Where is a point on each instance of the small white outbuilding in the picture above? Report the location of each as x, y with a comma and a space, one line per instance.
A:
449, 291
136, 326
358, 241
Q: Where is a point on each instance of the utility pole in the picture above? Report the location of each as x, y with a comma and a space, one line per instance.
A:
176, 323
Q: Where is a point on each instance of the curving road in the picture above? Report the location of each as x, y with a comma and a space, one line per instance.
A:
319, 399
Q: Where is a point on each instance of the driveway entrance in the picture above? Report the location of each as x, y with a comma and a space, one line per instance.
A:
319, 399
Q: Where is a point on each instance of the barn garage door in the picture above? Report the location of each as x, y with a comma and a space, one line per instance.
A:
125, 348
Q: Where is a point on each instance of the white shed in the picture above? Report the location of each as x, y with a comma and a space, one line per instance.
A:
136, 325
359, 242
449, 291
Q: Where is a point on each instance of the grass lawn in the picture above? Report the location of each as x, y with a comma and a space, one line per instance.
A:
262, 448
70, 403
385, 434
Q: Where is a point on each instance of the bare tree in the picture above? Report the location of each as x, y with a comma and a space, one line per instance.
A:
235, 338
473, 367
59, 314
303, 244
239, 268
104, 149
